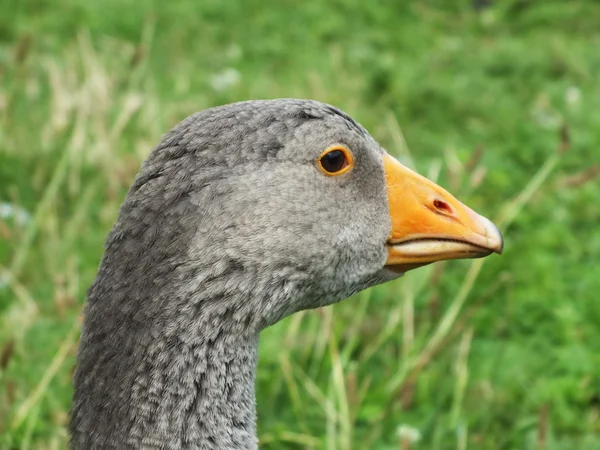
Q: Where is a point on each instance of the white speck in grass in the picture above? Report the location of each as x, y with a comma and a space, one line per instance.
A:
545, 115
226, 79
11, 212
408, 433
548, 120
573, 95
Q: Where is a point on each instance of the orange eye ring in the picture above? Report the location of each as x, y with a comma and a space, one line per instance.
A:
335, 160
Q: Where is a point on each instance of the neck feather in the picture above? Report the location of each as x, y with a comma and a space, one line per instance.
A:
179, 382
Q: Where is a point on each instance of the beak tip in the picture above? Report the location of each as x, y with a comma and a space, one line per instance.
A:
501, 246
498, 238
495, 241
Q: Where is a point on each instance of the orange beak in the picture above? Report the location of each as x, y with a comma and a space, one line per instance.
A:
429, 224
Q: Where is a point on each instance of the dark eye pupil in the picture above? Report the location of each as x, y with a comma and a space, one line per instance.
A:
333, 161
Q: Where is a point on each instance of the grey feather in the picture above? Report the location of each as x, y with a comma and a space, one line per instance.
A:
228, 228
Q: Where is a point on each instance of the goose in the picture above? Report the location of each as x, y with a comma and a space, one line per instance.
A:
242, 215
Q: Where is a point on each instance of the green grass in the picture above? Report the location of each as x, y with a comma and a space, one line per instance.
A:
502, 107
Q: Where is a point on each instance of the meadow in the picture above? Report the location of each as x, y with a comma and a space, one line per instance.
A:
499, 102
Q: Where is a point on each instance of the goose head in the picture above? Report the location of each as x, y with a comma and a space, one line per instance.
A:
297, 197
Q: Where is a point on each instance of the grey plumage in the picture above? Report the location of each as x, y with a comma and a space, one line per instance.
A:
228, 228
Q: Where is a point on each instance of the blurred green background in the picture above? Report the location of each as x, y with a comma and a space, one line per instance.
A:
498, 101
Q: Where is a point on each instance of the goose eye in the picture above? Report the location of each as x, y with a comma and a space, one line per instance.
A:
335, 161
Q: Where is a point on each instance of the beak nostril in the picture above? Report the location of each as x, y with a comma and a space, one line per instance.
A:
443, 207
